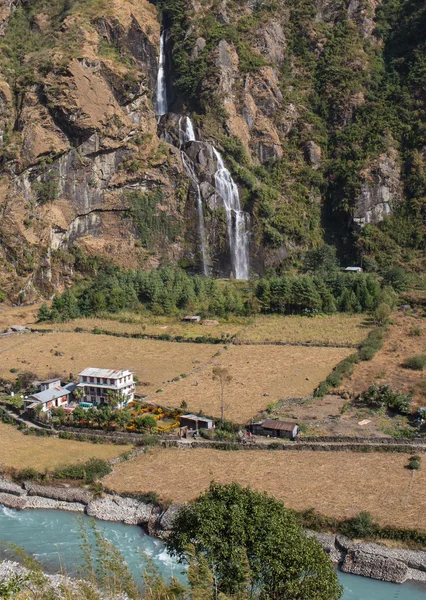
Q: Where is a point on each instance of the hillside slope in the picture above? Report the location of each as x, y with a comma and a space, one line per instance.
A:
317, 107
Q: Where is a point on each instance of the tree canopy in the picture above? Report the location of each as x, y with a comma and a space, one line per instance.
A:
254, 546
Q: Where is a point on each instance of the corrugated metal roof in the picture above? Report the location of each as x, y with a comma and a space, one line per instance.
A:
107, 373
197, 418
278, 425
50, 394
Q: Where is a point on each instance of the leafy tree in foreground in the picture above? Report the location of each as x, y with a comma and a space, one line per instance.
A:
254, 546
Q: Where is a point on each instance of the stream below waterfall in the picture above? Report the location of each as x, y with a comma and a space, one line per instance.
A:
53, 538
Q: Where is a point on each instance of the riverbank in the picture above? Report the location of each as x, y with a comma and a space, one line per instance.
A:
373, 560
54, 539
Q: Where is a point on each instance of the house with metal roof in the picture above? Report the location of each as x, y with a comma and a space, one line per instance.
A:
353, 270
50, 396
195, 422
275, 428
100, 385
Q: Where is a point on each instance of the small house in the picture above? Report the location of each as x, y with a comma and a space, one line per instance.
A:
275, 428
192, 319
52, 395
353, 270
195, 422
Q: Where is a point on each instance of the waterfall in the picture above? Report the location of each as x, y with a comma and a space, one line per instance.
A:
162, 107
186, 134
236, 219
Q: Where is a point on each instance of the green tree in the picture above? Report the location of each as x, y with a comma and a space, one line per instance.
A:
248, 538
146, 422
43, 313
78, 414
382, 313
321, 260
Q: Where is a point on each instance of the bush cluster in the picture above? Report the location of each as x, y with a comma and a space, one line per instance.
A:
415, 363
344, 368
382, 395
361, 525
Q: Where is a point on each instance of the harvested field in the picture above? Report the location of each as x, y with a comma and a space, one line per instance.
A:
337, 484
153, 362
260, 375
328, 330
21, 451
386, 369
152, 326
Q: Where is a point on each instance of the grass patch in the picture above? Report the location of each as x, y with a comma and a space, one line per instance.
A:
18, 451
330, 330
415, 363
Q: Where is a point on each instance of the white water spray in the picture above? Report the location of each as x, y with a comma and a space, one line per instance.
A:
187, 133
162, 106
236, 219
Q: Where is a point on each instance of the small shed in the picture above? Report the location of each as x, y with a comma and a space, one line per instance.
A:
195, 422
275, 428
50, 384
353, 270
192, 319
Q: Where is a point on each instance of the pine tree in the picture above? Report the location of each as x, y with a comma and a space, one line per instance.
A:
43, 313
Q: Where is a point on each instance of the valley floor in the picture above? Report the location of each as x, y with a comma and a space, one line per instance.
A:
337, 484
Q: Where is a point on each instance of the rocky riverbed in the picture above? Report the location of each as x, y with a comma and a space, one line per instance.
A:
395, 565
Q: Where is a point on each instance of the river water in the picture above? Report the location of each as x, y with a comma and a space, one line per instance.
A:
53, 538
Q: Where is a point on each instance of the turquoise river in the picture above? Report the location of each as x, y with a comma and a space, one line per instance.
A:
53, 538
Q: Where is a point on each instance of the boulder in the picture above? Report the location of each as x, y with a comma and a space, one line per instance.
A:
8, 487
376, 566
63, 493
312, 154
168, 517
118, 509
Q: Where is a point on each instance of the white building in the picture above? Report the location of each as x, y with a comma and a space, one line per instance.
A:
98, 384
51, 395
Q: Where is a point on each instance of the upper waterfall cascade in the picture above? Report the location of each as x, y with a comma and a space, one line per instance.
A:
162, 105
187, 133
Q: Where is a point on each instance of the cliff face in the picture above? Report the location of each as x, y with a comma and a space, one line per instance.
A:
80, 145
316, 107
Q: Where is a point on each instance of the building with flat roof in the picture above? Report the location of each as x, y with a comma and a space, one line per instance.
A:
101, 385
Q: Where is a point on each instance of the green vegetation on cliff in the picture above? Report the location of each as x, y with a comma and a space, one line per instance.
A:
169, 290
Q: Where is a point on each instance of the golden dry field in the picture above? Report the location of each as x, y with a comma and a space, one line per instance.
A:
21, 451
260, 375
152, 326
337, 484
153, 362
17, 315
332, 329
386, 367
323, 330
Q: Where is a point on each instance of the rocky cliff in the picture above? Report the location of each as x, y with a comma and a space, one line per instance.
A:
318, 109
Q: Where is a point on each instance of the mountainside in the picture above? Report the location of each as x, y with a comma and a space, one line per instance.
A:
317, 108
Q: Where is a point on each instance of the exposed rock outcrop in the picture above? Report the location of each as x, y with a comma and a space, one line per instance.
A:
381, 190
